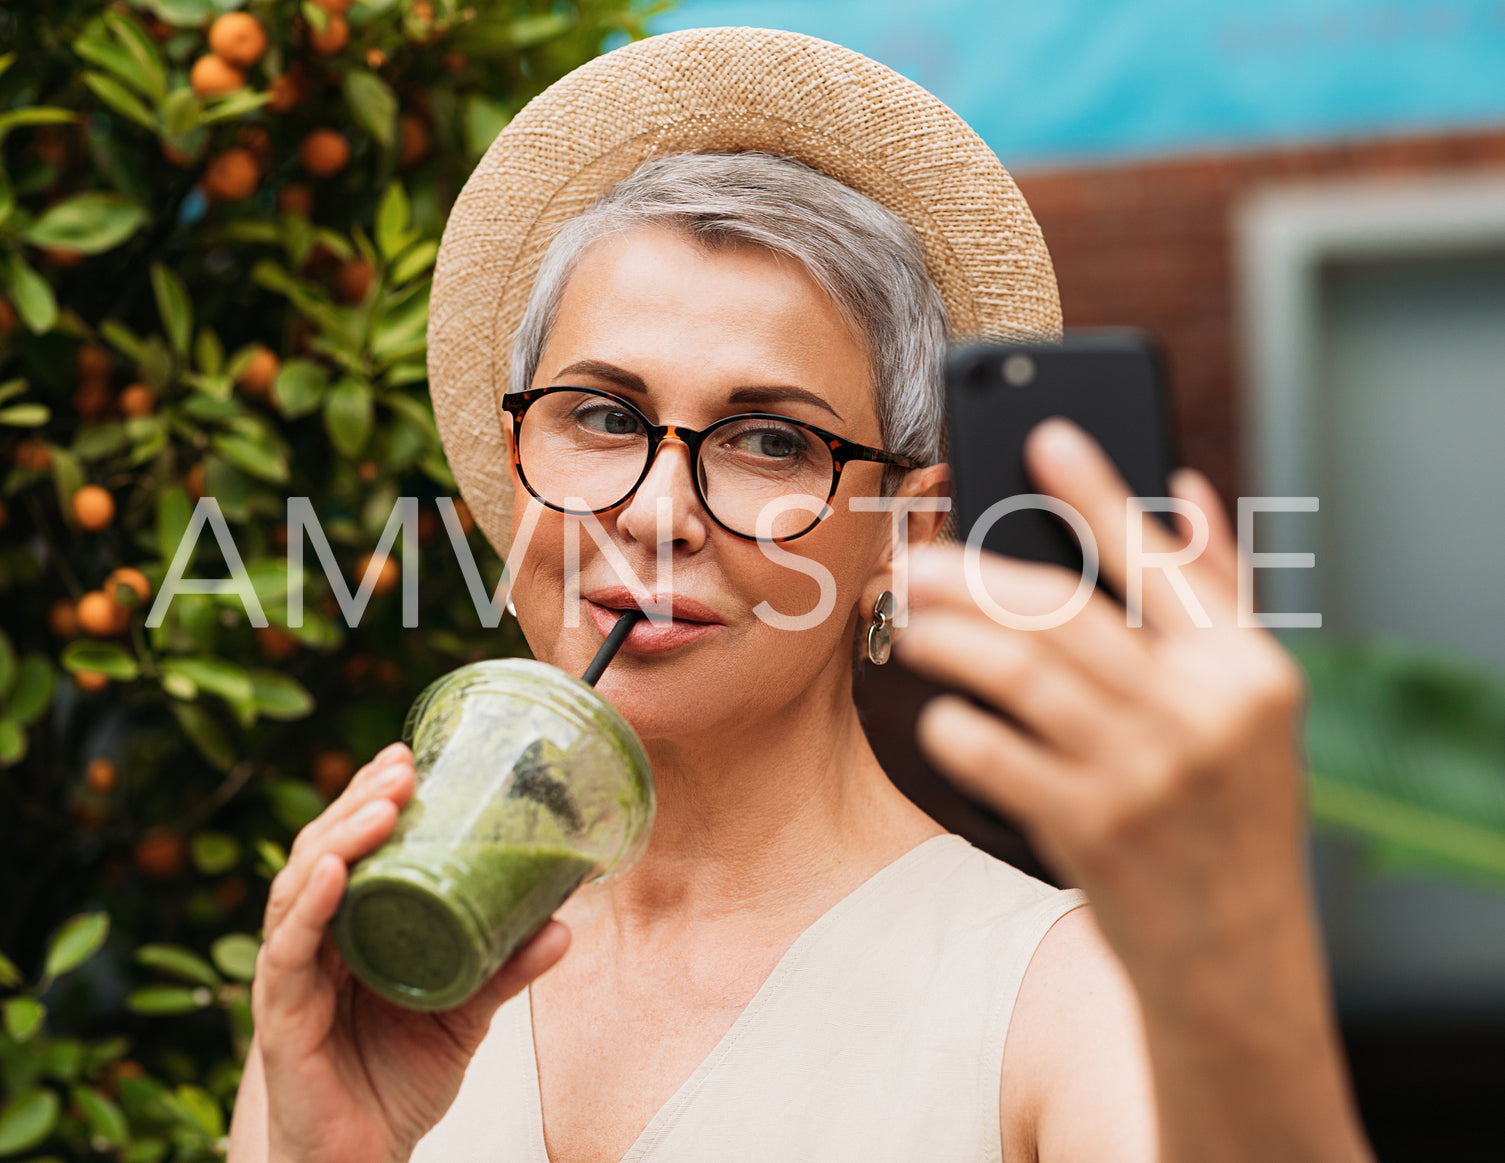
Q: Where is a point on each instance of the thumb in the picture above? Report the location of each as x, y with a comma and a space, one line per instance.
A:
470, 1021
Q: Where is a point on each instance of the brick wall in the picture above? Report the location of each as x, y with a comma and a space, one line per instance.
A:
1150, 244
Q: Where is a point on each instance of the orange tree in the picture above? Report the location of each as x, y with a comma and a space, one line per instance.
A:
217, 223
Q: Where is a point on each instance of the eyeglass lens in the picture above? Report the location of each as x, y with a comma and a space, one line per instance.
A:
579, 447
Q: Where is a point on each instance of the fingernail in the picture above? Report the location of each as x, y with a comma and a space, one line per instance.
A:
371, 814
390, 778
1062, 441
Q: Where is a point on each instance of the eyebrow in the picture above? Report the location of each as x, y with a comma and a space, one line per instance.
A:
760, 396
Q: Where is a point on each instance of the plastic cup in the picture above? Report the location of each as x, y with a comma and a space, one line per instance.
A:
529, 783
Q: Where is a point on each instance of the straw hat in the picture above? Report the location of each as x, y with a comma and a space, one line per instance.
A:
712, 90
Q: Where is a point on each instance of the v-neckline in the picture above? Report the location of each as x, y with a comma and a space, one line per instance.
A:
664, 1118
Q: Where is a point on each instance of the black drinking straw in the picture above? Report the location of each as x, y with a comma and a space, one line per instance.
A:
609, 648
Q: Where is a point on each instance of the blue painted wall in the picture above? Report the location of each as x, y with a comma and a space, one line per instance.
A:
1062, 80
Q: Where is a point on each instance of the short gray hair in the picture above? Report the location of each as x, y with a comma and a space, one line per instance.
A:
862, 254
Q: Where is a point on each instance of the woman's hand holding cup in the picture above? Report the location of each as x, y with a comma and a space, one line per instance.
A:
341, 1074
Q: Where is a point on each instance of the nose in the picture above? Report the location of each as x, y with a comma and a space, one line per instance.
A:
669, 479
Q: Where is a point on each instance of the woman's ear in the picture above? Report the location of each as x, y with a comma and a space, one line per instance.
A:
931, 486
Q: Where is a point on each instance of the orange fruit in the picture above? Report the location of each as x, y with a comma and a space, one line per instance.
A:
462, 512
232, 175
33, 455
138, 400
324, 153
334, 7
101, 616
63, 256
4, 515
276, 643
133, 579
357, 667
375, 58
256, 139
413, 139
92, 400
176, 156
330, 39
101, 775
368, 471
423, 11
428, 526
94, 362
279, 536
213, 76
456, 62
295, 199
193, 481
387, 577
229, 893
91, 680
332, 771
354, 280
388, 673
260, 372
93, 508
7, 319
287, 91
159, 853
238, 38
62, 620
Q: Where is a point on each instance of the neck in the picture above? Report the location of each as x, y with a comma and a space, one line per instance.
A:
767, 818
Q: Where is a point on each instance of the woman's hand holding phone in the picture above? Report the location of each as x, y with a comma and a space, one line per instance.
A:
336, 1074
1160, 769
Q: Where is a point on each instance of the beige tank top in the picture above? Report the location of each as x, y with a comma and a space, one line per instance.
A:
877, 1037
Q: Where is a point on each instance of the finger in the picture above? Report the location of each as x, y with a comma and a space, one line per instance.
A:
1221, 555
287, 968
469, 1022
994, 762
1095, 638
1020, 673
1068, 463
349, 838
371, 780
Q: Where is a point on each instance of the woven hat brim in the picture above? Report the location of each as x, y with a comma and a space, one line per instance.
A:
712, 90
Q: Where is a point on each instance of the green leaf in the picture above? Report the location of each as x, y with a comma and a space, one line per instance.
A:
174, 307
79, 939
257, 457
120, 99
206, 734
392, 222
167, 999
234, 955
121, 338
7, 665
214, 675
347, 415
280, 697
67, 479
89, 223
25, 415
12, 388
294, 804
174, 510
10, 976
32, 693
105, 657
484, 119
181, 963
32, 295
299, 388
99, 441
272, 855
209, 353
23, 1017
181, 113
373, 105
528, 31
208, 1116
232, 105
12, 742
413, 263
106, 1121
213, 853
183, 13
144, 50
27, 1119
34, 115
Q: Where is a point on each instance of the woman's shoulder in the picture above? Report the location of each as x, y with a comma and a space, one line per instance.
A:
967, 884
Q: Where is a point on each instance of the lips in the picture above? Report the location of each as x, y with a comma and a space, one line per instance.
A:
692, 620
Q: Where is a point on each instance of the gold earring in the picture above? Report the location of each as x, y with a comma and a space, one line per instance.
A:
879, 638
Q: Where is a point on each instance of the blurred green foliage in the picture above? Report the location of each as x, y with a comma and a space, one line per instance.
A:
214, 272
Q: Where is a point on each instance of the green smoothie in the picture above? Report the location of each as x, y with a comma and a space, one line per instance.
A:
528, 784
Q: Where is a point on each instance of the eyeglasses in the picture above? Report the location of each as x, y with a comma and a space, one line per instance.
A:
579, 450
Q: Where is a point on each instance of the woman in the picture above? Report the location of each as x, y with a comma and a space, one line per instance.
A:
803, 965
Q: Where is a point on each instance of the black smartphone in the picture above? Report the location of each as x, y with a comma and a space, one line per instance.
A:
1108, 382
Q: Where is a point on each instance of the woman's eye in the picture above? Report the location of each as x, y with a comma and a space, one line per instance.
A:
776, 444
610, 421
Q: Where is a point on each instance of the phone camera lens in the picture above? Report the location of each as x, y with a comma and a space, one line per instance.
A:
1018, 371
